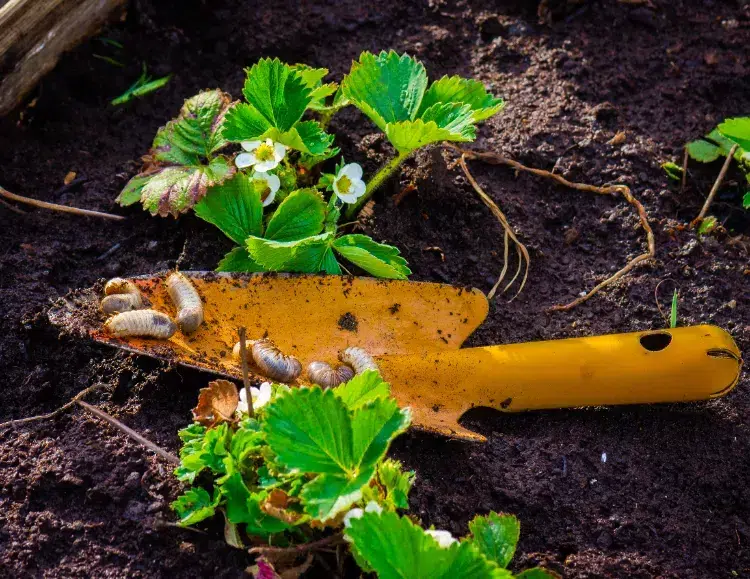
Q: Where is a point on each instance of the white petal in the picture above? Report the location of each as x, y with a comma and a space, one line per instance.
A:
242, 407
264, 395
273, 183
348, 197
254, 392
269, 198
243, 395
358, 188
279, 151
352, 514
250, 145
352, 170
264, 166
373, 507
444, 538
245, 160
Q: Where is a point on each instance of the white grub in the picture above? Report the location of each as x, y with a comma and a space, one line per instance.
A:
273, 364
325, 376
359, 359
121, 303
118, 285
236, 351
187, 301
142, 323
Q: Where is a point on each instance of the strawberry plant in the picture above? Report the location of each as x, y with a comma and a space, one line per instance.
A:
272, 197
719, 143
304, 463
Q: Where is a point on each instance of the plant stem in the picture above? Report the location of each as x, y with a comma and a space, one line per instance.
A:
379, 178
245, 378
55, 207
715, 188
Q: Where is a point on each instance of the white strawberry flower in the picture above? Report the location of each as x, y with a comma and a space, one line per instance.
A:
262, 156
261, 396
444, 538
348, 183
268, 185
372, 507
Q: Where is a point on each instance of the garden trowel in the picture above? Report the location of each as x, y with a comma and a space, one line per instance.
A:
415, 331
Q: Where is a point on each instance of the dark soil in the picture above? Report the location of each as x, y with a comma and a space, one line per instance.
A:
77, 499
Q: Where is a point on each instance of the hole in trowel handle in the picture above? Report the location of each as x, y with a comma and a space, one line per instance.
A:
656, 342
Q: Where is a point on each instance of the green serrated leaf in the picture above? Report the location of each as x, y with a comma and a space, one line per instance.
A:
300, 215
454, 89
376, 258
313, 79
277, 92
746, 200
239, 260
703, 151
374, 425
307, 137
202, 449
194, 506
396, 548
244, 123
328, 495
737, 130
496, 537
363, 388
441, 122
310, 429
396, 482
196, 133
133, 190
309, 255
235, 207
388, 88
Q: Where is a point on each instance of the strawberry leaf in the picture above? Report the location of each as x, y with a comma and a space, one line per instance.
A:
454, 89
277, 92
363, 388
376, 258
234, 207
300, 215
440, 122
174, 190
194, 506
394, 548
309, 255
239, 260
496, 537
132, 191
313, 79
396, 482
388, 88
328, 495
737, 130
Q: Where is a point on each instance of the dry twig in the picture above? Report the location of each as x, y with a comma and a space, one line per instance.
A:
715, 188
496, 159
299, 549
245, 378
130, 432
55, 207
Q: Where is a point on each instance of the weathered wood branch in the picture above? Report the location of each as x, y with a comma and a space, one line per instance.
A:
35, 33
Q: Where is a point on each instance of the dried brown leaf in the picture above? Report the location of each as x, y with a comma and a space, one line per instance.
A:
216, 403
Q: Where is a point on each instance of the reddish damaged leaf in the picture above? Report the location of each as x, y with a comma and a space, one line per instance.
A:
276, 504
175, 190
216, 403
262, 570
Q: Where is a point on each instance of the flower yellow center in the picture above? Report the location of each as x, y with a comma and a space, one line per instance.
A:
344, 184
264, 152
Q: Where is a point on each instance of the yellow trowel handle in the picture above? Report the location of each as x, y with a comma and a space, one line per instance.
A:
675, 365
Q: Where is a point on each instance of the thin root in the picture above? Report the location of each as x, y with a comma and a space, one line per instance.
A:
63, 408
495, 159
715, 188
523, 253
55, 207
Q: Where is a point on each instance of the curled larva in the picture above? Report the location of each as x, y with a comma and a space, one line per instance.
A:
236, 351
272, 363
187, 301
143, 323
359, 359
121, 303
117, 285
325, 376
